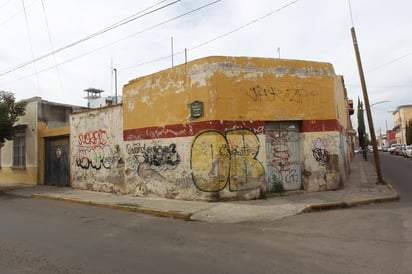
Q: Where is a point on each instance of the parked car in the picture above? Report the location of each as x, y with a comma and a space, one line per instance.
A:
358, 150
399, 150
408, 151
396, 151
402, 151
393, 147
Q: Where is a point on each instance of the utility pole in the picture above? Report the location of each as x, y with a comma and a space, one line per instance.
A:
171, 48
115, 85
368, 109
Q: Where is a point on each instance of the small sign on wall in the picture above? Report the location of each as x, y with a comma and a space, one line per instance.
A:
196, 109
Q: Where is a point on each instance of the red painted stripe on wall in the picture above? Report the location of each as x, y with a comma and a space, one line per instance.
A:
321, 125
192, 129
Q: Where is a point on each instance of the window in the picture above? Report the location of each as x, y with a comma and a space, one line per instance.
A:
19, 150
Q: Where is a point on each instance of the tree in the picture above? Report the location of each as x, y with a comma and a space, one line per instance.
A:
361, 129
10, 111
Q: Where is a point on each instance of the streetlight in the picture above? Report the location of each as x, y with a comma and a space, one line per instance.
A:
379, 103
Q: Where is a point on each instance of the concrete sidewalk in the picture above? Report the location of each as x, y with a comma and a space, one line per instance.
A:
360, 188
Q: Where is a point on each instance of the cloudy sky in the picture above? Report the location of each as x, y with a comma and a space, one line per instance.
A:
77, 43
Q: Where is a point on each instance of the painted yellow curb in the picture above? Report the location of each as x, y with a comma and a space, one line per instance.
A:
145, 210
374, 200
326, 206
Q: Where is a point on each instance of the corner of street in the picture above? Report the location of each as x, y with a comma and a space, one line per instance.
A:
359, 189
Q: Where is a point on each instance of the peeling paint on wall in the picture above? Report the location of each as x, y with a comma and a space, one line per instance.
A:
97, 150
324, 162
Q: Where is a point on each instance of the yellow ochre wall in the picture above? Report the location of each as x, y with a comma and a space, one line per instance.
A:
265, 121
269, 89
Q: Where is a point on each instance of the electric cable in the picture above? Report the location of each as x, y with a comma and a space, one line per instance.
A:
5, 3
52, 48
17, 13
31, 46
87, 38
214, 39
122, 39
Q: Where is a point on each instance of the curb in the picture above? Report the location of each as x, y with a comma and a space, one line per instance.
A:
124, 207
346, 204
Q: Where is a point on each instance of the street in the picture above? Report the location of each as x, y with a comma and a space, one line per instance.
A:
41, 236
398, 171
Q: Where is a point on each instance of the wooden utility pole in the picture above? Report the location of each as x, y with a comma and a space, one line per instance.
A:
368, 109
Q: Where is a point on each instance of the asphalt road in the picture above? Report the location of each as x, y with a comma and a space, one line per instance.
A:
41, 236
398, 171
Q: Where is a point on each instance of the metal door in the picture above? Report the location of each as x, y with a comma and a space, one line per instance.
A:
57, 161
282, 154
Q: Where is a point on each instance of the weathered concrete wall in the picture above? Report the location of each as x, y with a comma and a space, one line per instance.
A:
97, 150
323, 161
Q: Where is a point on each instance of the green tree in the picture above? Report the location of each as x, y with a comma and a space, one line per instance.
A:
361, 129
10, 111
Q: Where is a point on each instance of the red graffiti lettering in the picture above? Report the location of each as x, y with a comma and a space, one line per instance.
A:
94, 138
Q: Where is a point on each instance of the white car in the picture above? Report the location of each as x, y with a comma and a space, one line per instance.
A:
408, 151
393, 146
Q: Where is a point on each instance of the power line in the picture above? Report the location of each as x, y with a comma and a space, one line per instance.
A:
216, 38
245, 25
52, 48
5, 3
17, 13
116, 25
396, 86
390, 62
124, 38
31, 44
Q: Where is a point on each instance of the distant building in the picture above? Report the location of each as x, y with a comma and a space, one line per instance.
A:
390, 137
95, 99
41, 142
401, 117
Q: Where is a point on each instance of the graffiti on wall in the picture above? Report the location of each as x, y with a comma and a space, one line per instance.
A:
260, 93
322, 147
148, 161
95, 152
221, 159
280, 154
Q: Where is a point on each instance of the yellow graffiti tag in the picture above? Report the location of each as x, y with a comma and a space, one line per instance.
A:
219, 159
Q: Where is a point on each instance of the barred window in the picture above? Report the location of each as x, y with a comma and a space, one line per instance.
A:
19, 150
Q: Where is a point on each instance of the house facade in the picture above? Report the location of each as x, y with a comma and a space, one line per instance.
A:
218, 128
401, 117
39, 152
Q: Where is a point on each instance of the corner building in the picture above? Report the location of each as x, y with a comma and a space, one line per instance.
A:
218, 128
230, 127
